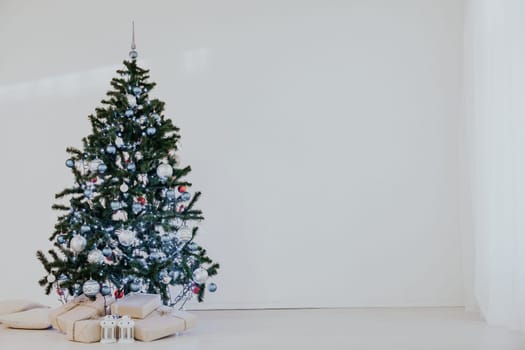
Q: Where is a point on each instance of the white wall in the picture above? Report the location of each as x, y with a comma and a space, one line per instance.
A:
323, 135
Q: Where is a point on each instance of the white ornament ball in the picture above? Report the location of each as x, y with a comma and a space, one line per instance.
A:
78, 243
95, 257
200, 275
51, 278
184, 234
91, 288
126, 237
164, 171
124, 188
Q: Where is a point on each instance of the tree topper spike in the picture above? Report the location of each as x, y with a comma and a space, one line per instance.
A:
133, 47
133, 53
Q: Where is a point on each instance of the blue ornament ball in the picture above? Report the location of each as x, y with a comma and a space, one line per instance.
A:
134, 287
111, 149
129, 113
105, 290
151, 131
137, 90
107, 251
131, 167
70, 163
133, 54
88, 193
85, 229
185, 196
115, 205
61, 239
136, 207
102, 168
170, 194
212, 287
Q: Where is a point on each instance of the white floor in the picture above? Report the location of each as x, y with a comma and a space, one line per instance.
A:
360, 329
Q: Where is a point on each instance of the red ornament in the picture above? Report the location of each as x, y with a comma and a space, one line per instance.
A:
119, 294
141, 200
94, 180
182, 188
60, 292
196, 289
180, 208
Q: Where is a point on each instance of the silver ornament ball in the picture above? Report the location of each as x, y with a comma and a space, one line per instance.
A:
91, 288
126, 237
95, 257
164, 171
124, 188
77, 243
200, 275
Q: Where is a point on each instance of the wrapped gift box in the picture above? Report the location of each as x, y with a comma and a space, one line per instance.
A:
85, 331
65, 317
136, 305
163, 322
190, 320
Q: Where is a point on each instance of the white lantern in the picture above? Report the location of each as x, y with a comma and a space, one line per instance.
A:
108, 333
126, 327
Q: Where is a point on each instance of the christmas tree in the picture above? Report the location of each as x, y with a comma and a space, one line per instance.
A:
129, 221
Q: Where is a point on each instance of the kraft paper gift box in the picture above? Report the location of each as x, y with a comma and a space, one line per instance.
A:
85, 331
81, 308
163, 322
136, 305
